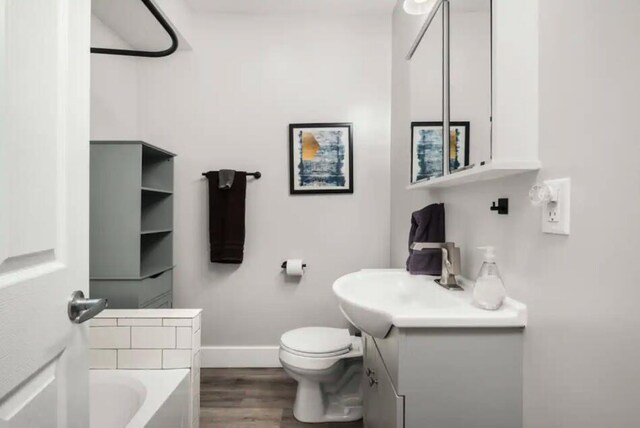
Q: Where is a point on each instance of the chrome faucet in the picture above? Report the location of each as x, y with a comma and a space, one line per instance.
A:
451, 265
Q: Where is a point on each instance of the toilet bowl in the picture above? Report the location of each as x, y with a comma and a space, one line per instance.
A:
327, 364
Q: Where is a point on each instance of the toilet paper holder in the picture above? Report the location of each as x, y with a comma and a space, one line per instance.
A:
284, 265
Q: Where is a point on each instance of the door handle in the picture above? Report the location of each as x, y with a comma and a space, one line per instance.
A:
80, 309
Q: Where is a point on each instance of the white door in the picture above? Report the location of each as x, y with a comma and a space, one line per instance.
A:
44, 211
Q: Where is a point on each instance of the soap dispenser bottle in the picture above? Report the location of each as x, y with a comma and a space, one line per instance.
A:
489, 292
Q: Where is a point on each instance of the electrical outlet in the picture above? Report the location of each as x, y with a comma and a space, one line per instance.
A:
556, 213
552, 212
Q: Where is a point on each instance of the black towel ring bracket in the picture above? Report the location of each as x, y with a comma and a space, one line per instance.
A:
256, 174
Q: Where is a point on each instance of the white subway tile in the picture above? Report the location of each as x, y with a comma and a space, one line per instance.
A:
139, 358
103, 322
140, 321
109, 337
177, 322
150, 313
183, 337
176, 358
102, 358
153, 337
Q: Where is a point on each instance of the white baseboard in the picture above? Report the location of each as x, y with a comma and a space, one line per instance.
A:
239, 356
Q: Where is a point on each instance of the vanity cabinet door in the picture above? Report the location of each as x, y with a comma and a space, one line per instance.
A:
383, 408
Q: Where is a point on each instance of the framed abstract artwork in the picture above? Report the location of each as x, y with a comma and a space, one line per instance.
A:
427, 158
320, 158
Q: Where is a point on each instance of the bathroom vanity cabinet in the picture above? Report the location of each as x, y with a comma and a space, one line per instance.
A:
443, 378
383, 407
131, 230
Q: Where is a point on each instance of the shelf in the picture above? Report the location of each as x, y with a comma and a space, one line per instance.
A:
157, 270
157, 169
157, 191
156, 211
147, 149
490, 171
143, 275
151, 232
131, 224
156, 253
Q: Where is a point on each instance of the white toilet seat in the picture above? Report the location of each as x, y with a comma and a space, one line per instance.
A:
319, 362
316, 355
320, 341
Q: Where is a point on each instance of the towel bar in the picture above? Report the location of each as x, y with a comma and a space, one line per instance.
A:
256, 174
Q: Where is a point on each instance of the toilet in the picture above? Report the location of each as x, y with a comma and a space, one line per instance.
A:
327, 364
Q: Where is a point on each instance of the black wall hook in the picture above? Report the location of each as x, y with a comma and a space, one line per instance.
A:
502, 207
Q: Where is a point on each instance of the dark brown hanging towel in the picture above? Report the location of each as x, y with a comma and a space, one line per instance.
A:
226, 218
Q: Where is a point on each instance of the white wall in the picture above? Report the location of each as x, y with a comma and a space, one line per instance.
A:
581, 347
405, 28
114, 88
227, 104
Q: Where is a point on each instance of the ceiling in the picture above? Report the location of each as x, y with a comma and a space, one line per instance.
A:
137, 27
133, 23
340, 7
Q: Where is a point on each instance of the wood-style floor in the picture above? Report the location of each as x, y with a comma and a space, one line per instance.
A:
251, 398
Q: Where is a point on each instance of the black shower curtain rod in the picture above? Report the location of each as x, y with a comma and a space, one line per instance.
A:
147, 54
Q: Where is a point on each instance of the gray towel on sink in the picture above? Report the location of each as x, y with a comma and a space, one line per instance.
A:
427, 225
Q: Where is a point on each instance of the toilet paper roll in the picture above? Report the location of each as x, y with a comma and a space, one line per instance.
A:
294, 267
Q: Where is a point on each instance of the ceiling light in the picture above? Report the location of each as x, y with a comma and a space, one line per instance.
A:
418, 7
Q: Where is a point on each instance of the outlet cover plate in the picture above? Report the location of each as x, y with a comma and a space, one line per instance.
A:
556, 215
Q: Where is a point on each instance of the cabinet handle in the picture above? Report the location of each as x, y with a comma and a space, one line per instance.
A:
370, 372
373, 381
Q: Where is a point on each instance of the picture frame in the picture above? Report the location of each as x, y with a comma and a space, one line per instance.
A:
320, 158
427, 157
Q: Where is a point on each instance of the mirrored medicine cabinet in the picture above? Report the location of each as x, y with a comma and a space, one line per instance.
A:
453, 87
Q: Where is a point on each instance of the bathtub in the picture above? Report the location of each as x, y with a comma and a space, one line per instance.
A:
139, 398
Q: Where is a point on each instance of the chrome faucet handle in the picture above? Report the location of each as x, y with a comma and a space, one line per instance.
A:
445, 260
451, 266
453, 259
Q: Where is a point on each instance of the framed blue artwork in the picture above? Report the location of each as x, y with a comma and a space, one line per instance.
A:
427, 158
320, 158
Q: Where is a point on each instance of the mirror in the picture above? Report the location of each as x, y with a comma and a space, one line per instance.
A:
426, 94
450, 69
470, 83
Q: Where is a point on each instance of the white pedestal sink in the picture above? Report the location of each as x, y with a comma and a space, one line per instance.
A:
374, 300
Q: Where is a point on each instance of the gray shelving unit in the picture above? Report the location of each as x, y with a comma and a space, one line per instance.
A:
131, 233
